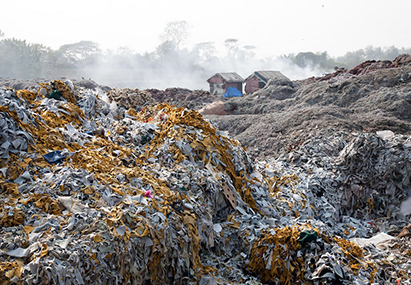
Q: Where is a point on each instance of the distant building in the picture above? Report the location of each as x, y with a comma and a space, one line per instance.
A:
259, 79
219, 82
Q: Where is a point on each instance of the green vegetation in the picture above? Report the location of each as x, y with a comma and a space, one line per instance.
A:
19, 59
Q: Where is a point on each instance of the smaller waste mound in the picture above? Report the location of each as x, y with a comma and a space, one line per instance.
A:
182, 97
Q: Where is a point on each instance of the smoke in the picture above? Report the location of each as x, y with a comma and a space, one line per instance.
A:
183, 68
168, 66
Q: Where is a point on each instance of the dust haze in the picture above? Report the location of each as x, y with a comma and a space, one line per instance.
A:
186, 68
171, 64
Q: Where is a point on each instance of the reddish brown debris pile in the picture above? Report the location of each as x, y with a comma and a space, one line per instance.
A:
366, 67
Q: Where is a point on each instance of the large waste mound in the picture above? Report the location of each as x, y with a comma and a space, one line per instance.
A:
110, 188
373, 96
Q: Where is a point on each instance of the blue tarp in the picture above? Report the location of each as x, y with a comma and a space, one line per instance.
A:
232, 92
54, 157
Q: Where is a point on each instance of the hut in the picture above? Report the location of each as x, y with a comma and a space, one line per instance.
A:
220, 82
258, 79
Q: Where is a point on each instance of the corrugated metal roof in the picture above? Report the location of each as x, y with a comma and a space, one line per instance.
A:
266, 75
230, 76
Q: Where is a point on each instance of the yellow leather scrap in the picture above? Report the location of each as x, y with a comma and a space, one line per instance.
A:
16, 166
97, 238
93, 257
283, 246
352, 251
29, 96
9, 188
276, 182
44, 250
28, 229
370, 202
125, 237
88, 190
132, 112
248, 198
38, 217
50, 139
114, 218
189, 221
12, 114
10, 221
233, 223
44, 202
10, 269
348, 229
60, 119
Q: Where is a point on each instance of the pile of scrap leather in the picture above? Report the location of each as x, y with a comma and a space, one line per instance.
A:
95, 191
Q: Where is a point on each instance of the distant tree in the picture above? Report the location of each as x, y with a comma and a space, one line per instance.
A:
122, 57
175, 33
392, 52
304, 59
310, 59
1, 34
204, 50
353, 58
232, 47
125, 51
79, 54
18, 59
248, 51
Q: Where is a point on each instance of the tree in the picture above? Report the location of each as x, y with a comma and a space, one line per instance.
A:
204, 50
248, 51
392, 52
310, 59
1, 34
175, 33
232, 47
122, 57
80, 53
19, 59
352, 58
166, 48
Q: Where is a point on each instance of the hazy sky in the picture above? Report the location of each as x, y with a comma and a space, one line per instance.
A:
274, 27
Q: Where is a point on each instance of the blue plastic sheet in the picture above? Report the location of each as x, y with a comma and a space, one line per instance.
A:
232, 92
54, 157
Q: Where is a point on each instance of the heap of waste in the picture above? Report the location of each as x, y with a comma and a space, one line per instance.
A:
182, 97
374, 96
129, 192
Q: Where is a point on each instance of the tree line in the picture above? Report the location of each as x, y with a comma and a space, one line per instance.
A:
349, 60
22, 60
